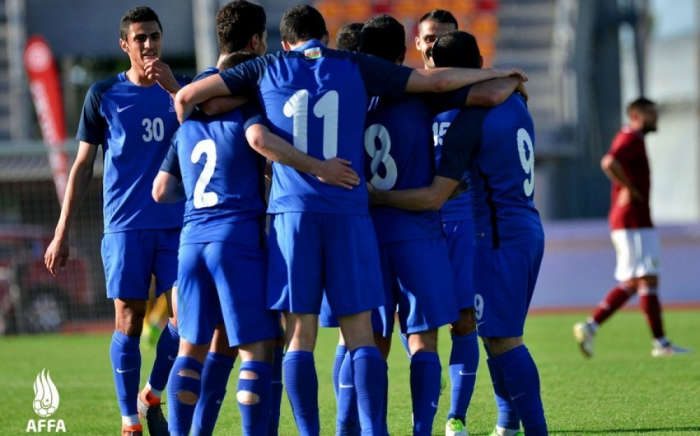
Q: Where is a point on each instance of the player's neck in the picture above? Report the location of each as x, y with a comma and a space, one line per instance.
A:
137, 76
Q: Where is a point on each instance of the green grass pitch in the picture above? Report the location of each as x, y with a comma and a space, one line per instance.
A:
621, 391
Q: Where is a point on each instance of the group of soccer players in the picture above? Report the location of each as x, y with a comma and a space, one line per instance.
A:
329, 120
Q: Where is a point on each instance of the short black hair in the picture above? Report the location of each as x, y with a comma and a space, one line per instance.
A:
237, 22
302, 23
456, 49
349, 37
384, 37
640, 105
440, 16
138, 14
236, 58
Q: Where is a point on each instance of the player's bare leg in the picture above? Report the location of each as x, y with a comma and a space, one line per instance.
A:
185, 383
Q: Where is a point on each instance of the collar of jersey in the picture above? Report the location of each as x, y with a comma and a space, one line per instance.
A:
310, 43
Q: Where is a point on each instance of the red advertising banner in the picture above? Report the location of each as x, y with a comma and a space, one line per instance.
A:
45, 88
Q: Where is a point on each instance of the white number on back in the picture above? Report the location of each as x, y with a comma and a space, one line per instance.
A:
297, 108
527, 160
380, 156
478, 306
154, 129
201, 198
439, 130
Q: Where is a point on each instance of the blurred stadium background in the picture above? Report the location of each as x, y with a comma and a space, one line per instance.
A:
585, 59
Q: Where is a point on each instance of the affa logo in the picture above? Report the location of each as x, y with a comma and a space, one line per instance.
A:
46, 401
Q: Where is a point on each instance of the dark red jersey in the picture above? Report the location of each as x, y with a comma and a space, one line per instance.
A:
628, 149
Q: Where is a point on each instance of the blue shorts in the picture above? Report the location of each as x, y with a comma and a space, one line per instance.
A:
131, 258
418, 281
222, 281
505, 279
313, 253
460, 246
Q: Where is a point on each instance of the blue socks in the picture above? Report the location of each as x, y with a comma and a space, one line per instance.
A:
464, 361
126, 367
507, 414
523, 384
166, 352
215, 374
347, 419
180, 414
255, 415
277, 388
425, 391
370, 383
302, 389
340, 351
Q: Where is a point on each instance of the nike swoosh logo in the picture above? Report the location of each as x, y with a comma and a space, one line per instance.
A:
171, 358
466, 373
219, 401
479, 323
122, 371
434, 404
345, 386
122, 109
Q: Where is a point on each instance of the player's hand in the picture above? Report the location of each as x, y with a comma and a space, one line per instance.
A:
160, 72
512, 71
521, 89
56, 254
627, 195
337, 172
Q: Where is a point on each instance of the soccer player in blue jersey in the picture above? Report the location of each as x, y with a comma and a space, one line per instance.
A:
496, 147
133, 117
322, 238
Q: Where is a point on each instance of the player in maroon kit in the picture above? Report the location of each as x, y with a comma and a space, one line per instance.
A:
633, 235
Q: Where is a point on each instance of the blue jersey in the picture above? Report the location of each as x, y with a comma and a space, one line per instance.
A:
496, 145
459, 208
400, 156
134, 124
316, 99
222, 175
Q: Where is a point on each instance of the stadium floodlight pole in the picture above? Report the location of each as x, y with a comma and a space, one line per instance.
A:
205, 46
17, 91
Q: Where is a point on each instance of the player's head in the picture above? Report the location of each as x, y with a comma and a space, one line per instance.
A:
140, 35
430, 26
457, 49
643, 115
383, 36
240, 25
300, 24
349, 37
236, 58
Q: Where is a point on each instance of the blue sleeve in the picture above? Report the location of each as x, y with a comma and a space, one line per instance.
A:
206, 73
440, 102
171, 163
92, 124
252, 114
182, 80
461, 142
245, 77
382, 78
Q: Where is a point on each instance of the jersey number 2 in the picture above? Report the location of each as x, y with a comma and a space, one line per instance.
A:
201, 198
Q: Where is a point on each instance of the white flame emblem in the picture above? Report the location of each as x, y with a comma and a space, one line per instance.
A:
46, 396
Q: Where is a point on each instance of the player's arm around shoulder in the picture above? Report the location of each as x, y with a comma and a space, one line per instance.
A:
494, 92
428, 198
335, 171
449, 79
78, 181
198, 92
